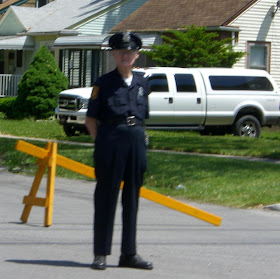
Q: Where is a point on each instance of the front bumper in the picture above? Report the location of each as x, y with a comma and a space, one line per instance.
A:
69, 117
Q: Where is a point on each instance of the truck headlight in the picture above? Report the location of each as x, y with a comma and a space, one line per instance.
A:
85, 103
82, 103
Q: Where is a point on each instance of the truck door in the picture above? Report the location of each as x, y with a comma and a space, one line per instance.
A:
189, 99
160, 100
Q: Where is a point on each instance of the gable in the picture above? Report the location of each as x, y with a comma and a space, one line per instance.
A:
10, 24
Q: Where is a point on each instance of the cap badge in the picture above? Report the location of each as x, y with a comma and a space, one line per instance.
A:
126, 37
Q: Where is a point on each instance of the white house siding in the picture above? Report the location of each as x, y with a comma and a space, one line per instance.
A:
11, 25
257, 24
104, 23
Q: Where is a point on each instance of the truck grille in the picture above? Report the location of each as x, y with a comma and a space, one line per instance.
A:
70, 102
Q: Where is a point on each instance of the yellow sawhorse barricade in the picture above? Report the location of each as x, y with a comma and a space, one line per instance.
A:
48, 158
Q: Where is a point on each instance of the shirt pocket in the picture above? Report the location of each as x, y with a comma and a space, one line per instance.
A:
117, 101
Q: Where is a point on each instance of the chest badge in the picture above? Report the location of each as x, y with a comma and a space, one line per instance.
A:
140, 92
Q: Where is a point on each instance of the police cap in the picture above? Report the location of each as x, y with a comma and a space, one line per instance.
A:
125, 40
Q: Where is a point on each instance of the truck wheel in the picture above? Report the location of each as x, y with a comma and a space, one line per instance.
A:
69, 130
247, 126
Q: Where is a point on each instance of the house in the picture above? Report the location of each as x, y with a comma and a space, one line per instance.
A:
254, 26
5, 4
79, 42
76, 41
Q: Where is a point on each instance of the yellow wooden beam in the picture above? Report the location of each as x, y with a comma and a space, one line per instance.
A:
179, 206
61, 161
35, 201
89, 172
31, 149
75, 166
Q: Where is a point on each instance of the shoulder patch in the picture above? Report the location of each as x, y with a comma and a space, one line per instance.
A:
94, 92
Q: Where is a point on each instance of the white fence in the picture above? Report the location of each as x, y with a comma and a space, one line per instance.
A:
9, 85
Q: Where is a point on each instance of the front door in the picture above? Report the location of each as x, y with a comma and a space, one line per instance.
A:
161, 102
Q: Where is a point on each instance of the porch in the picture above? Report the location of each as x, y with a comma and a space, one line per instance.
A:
9, 85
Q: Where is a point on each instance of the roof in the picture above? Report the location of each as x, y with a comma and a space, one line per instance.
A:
39, 20
4, 6
173, 14
95, 41
17, 42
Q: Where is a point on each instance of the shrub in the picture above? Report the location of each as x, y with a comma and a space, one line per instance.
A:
39, 87
7, 105
194, 47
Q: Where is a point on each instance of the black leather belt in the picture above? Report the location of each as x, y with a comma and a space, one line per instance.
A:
129, 121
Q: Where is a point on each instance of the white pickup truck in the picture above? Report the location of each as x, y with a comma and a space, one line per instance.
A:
214, 100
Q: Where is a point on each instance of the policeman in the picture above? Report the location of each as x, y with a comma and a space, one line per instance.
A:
115, 116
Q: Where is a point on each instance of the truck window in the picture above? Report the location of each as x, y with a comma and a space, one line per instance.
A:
240, 83
185, 83
158, 83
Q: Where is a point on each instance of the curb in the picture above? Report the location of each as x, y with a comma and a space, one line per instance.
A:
274, 207
46, 140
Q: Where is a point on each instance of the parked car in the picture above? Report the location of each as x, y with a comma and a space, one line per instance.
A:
214, 100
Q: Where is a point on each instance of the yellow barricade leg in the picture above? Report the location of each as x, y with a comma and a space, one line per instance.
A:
47, 158
50, 185
31, 199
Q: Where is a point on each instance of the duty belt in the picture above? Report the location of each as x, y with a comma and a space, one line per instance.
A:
129, 121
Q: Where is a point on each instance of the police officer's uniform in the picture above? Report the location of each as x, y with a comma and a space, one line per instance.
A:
120, 150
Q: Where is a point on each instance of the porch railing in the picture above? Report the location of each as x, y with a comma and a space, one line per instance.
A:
9, 85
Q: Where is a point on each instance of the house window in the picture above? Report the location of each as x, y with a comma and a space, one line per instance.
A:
19, 58
80, 66
258, 55
40, 3
2, 62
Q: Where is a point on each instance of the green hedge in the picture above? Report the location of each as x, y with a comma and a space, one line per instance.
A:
7, 105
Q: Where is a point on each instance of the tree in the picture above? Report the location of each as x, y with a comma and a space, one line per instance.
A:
39, 88
194, 47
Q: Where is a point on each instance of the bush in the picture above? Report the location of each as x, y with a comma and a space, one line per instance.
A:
39, 87
194, 47
7, 105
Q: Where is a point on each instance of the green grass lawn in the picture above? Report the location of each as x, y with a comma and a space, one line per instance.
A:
229, 182
267, 146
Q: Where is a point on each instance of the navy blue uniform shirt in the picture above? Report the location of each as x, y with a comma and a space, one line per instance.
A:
112, 98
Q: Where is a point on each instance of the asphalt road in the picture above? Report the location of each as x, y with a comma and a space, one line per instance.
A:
246, 245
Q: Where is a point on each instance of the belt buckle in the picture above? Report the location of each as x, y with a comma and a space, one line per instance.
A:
131, 121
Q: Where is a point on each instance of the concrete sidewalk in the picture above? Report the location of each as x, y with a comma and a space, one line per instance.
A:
246, 245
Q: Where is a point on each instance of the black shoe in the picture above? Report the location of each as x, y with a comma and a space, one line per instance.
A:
134, 261
99, 263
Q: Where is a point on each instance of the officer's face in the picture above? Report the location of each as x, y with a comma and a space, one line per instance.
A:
124, 57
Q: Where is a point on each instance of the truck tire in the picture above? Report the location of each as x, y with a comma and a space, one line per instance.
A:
247, 126
69, 130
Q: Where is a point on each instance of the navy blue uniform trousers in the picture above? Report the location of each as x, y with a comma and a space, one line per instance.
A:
120, 154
